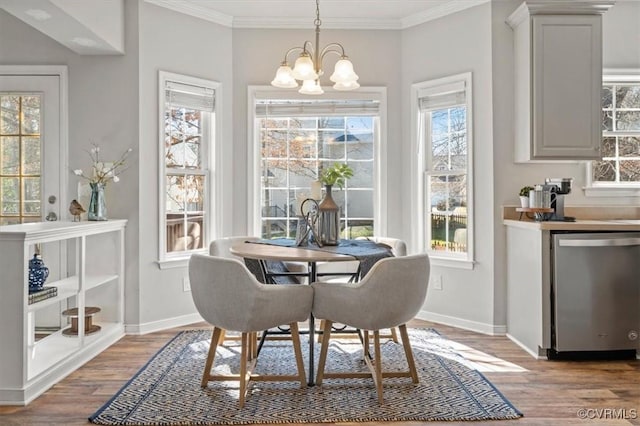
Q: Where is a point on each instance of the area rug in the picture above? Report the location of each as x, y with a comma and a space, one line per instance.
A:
167, 390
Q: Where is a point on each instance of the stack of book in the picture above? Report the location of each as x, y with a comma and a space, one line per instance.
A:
40, 295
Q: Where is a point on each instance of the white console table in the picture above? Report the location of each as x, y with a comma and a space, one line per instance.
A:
86, 262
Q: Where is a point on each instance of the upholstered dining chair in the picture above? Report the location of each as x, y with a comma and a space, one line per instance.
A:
221, 247
229, 297
390, 295
398, 248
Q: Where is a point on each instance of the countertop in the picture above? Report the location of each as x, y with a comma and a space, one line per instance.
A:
589, 218
578, 225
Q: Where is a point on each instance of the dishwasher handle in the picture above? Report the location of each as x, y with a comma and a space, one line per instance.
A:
604, 242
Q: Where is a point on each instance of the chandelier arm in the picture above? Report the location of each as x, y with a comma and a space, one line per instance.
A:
328, 49
308, 47
293, 49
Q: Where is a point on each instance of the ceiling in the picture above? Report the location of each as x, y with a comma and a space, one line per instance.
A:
345, 14
96, 27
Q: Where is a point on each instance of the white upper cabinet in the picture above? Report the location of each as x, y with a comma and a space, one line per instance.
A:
558, 80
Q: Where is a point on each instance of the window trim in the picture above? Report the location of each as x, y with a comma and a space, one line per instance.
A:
418, 167
213, 187
602, 189
380, 149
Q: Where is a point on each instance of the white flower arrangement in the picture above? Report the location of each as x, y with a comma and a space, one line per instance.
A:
103, 171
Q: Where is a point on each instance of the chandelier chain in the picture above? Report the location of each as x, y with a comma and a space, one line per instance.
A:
317, 21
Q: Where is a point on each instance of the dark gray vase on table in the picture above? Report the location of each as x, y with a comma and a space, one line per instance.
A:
329, 220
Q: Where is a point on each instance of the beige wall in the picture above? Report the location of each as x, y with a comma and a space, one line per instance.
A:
186, 45
452, 45
113, 101
103, 108
376, 55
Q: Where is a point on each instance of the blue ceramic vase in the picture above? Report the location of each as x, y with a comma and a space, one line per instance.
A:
38, 273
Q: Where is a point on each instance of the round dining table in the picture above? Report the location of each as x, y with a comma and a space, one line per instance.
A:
264, 252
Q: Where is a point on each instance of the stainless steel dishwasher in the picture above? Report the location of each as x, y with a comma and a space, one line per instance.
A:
595, 286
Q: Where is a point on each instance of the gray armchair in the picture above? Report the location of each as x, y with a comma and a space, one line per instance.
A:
221, 248
229, 297
390, 295
398, 248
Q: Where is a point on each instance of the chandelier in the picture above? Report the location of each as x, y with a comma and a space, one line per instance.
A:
308, 66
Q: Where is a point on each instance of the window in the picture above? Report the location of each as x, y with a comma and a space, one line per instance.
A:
620, 164
187, 139
442, 126
294, 140
20, 152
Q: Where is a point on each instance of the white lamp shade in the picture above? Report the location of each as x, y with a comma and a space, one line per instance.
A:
352, 85
304, 69
343, 72
284, 78
311, 87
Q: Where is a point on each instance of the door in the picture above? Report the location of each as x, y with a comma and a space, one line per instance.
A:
30, 148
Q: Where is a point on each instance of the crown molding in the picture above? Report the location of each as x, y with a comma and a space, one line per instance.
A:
443, 9
307, 23
353, 23
193, 9
578, 7
558, 7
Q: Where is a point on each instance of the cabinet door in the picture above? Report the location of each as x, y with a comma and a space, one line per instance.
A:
567, 81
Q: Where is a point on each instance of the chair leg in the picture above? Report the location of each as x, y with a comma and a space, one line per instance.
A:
378, 366
320, 335
215, 341
365, 343
222, 336
394, 335
254, 345
243, 368
408, 352
295, 336
326, 336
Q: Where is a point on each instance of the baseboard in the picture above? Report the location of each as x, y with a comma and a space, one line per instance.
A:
479, 327
164, 324
493, 330
526, 349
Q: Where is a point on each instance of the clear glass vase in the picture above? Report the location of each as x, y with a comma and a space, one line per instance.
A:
97, 205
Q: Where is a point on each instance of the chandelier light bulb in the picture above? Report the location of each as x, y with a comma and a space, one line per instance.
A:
284, 77
343, 72
304, 69
311, 87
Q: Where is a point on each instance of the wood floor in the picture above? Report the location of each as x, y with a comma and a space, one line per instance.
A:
546, 392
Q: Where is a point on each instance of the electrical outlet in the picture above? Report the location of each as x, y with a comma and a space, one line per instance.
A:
186, 285
436, 282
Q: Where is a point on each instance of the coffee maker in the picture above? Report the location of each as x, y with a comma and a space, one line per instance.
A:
558, 187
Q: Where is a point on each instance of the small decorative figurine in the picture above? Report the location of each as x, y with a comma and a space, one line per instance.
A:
76, 210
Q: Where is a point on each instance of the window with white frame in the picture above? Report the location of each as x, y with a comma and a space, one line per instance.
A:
187, 120
442, 121
294, 140
620, 164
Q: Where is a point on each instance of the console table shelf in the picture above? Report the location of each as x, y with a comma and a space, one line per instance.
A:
86, 265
